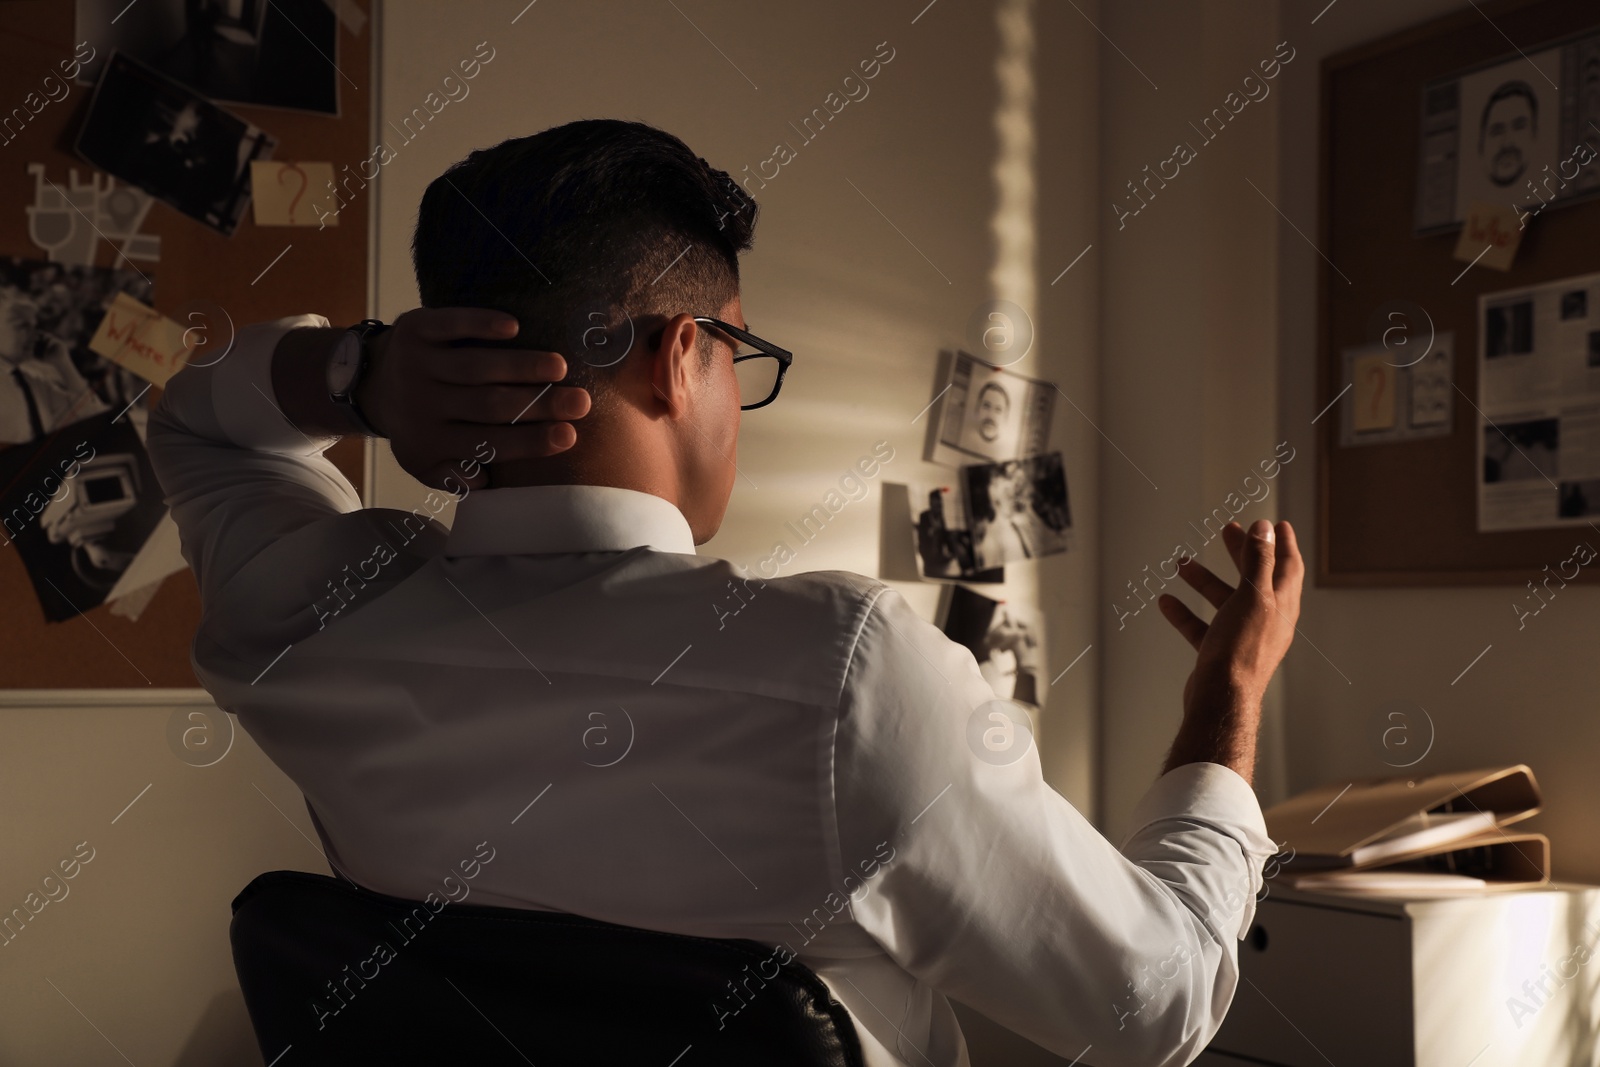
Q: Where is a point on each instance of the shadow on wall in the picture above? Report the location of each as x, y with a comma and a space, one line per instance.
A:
223, 1035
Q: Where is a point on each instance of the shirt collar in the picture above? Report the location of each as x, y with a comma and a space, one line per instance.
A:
533, 519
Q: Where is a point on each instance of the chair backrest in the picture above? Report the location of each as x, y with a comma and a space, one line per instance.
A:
338, 974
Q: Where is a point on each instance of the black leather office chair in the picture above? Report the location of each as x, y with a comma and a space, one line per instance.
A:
488, 985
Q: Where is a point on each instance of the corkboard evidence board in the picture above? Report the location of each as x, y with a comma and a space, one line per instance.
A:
321, 271
1405, 514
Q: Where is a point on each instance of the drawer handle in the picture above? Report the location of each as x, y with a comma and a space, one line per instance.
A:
1258, 937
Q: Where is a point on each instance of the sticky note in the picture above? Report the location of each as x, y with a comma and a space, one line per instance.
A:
287, 194
140, 338
1372, 398
1492, 232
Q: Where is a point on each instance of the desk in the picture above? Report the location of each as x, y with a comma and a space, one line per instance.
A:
1440, 982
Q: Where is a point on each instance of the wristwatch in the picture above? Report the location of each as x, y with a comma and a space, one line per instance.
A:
349, 362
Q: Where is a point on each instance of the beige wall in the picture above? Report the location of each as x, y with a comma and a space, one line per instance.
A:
1188, 350
133, 952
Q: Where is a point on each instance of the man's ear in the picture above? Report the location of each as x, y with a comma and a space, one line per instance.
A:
671, 373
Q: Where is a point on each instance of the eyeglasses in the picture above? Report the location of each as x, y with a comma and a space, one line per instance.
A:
761, 372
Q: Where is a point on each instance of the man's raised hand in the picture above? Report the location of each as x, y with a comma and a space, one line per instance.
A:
1238, 651
448, 408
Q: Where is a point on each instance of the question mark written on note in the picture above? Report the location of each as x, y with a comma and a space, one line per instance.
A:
1377, 379
304, 182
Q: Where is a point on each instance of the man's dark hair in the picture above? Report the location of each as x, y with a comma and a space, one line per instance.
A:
579, 227
1506, 92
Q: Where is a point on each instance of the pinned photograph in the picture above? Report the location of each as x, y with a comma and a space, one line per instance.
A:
78, 506
990, 414
1007, 642
943, 542
1574, 305
171, 142
49, 377
1522, 451
1508, 329
270, 53
1393, 401
1017, 510
1538, 396
1488, 134
1580, 499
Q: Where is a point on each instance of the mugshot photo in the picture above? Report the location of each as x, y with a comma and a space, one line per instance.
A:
989, 414
1510, 122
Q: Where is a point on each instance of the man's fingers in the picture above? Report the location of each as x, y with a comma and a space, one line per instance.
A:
459, 323
1290, 570
1233, 538
1214, 589
1186, 622
488, 366
511, 404
1257, 555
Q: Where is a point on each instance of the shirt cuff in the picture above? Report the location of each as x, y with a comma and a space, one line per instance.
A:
246, 408
1218, 797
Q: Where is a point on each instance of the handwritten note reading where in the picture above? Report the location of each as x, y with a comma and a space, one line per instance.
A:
140, 338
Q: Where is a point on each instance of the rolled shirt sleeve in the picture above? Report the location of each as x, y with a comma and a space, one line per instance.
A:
1003, 896
237, 474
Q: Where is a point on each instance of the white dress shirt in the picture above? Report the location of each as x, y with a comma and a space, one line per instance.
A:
650, 737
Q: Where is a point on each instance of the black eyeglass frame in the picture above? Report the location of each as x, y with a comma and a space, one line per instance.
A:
767, 348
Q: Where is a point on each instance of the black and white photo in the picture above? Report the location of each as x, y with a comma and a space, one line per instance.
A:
48, 376
944, 543
78, 505
1017, 510
1509, 329
1522, 451
990, 413
1006, 640
173, 143
269, 53
1515, 132
1574, 305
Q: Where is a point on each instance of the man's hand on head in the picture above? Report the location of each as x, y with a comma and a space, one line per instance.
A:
448, 408
1239, 650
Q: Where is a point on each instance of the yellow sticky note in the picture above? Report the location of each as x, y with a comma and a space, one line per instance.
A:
288, 194
1490, 235
140, 338
1372, 398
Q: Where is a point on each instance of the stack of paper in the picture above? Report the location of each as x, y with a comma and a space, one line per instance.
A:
1410, 836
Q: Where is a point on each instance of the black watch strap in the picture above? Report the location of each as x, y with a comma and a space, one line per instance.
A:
365, 331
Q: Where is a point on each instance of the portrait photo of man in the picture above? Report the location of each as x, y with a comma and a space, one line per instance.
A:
993, 414
994, 408
1507, 130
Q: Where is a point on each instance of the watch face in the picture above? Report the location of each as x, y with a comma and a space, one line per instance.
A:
343, 366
